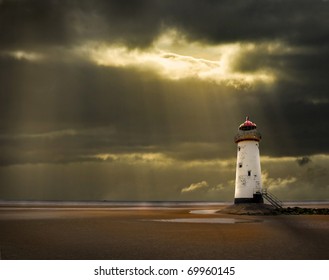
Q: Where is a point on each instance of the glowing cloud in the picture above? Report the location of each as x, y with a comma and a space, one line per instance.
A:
173, 57
24, 55
196, 186
156, 159
276, 183
46, 135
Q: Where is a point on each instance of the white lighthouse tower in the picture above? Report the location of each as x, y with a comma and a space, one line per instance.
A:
248, 184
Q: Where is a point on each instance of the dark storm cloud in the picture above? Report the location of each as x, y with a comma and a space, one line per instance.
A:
37, 23
137, 22
28, 24
303, 161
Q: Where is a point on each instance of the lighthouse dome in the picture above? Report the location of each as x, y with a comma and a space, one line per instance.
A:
247, 131
247, 125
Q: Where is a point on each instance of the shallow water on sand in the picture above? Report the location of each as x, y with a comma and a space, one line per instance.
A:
209, 220
204, 211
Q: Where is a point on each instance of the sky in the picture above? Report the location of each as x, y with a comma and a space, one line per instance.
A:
140, 100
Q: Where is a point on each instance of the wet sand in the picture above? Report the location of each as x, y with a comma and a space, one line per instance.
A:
154, 233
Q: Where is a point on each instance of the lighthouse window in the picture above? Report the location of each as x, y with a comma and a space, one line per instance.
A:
249, 172
239, 148
240, 164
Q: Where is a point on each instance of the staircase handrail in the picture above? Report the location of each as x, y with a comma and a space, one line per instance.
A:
272, 198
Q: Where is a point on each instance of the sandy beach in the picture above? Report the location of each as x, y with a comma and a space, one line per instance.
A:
158, 233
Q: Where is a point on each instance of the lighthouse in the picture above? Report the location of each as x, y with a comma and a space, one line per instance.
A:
248, 184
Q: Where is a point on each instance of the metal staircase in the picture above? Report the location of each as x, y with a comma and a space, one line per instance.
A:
271, 198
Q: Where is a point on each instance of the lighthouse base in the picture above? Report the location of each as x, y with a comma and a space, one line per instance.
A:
257, 198
249, 209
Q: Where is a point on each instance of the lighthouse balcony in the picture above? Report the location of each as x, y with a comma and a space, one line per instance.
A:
247, 135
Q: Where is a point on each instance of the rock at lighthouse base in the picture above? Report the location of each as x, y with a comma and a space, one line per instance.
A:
249, 209
267, 209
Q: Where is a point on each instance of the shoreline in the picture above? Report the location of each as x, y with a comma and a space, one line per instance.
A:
142, 204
